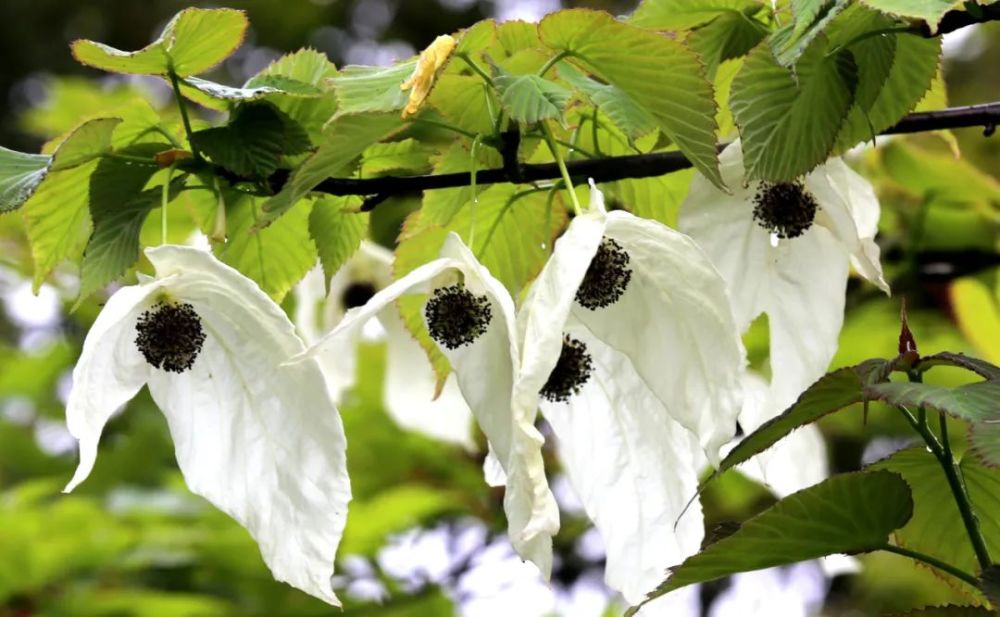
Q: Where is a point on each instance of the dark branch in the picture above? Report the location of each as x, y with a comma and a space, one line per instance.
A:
614, 168
958, 19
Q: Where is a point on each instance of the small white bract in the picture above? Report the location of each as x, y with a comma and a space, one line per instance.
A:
261, 441
410, 383
785, 250
628, 336
471, 316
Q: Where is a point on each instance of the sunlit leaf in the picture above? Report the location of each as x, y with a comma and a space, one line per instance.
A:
20, 175
87, 142
529, 98
626, 114
336, 233
930, 11
975, 402
685, 14
371, 88
306, 66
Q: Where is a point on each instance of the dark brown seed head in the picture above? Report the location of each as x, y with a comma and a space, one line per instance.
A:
785, 209
357, 294
607, 277
571, 372
456, 316
170, 336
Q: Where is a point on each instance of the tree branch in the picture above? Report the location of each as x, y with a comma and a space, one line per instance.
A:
960, 18
612, 168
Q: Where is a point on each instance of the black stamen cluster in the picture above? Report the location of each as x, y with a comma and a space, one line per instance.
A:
785, 209
571, 372
357, 294
170, 336
607, 277
456, 316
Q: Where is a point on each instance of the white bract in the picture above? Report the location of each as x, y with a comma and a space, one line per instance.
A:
785, 250
484, 357
628, 336
262, 441
409, 389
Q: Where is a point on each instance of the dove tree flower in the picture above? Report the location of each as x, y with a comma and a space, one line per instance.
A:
409, 389
260, 440
628, 339
470, 315
785, 250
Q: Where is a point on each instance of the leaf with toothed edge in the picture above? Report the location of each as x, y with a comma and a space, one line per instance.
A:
976, 402
980, 367
337, 233
20, 175
947, 611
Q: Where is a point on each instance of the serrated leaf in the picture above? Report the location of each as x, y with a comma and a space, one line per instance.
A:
440, 206
372, 88
947, 611
529, 98
636, 61
687, 14
407, 155
984, 438
975, 402
930, 11
221, 97
306, 66
87, 142
849, 513
462, 100
728, 36
344, 139
118, 208
830, 393
789, 123
336, 233
935, 98
20, 175
945, 358
624, 112
813, 16
194, 41
253, 142
276, 257
936, 527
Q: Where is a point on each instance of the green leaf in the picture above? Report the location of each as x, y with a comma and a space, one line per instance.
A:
830, 393
849, 513
440, 206
636, 61
253, 142
344, 139
930, 11
221, 97
118, 208
989, 583
936, 527
407, 155
529, 98
306, 66
728, 36
20, 175
789, 123
87, 142
372, 88
947, 611
276, 257
465, 101
623, 111
687, 14
337, 233
974, 402
194, 41
812, 17
945, 358
984, 438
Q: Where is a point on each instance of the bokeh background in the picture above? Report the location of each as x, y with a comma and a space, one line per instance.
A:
425, 536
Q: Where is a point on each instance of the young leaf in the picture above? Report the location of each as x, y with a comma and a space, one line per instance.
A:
936, 527
276, 257
849, 513
730, 35
86, 143
830, 393
194, 41
789, 123
945, 358
466, 102
220, 97
930, 11
623, 111
811, 18
529, 98
687, 14
372, 88
976, 402
254, 141
20, 175
636, 60
336, 233
306, 66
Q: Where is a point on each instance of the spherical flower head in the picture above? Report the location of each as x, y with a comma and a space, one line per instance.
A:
572, 371
457, 317
429, 64
785, 209
170, 336
607, 277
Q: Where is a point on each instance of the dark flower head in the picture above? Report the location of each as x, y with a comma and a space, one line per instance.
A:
170, 336
456, 316
607, 277
785, 209
571, 372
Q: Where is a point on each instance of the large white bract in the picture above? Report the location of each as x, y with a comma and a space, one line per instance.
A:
261, 440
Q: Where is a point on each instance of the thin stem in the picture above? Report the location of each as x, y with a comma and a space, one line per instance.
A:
594, 132
933, 561
942, 452
562, 168
128, 158
164, 200
175, 82
476, 68
552, 62
474, 155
